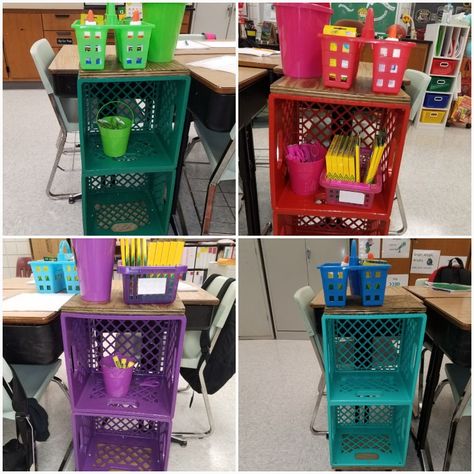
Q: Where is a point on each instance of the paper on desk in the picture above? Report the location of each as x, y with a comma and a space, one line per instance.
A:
219, 63
187, 44
31, 282
182, 286
36, 302
220, 44
258, 52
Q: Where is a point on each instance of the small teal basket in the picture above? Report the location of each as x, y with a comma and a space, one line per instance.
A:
71, 277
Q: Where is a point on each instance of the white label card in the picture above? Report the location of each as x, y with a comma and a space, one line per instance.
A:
396, 280
152, 286
351, 197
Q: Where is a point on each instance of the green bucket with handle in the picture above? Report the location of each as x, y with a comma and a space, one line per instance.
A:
167, 18
115, 130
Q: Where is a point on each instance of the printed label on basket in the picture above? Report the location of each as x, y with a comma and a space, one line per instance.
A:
152, 286
351, 197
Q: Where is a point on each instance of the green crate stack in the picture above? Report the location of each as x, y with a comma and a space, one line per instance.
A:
131, 194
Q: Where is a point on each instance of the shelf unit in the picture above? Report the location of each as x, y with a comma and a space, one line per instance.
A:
444, 37
132, 194
371, 366
303, 111
131, 432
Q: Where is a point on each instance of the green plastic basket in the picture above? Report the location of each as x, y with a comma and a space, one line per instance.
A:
128, 204
132, 44
91, 43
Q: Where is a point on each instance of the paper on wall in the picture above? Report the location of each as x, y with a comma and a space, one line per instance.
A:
395, 280
36, 302
396, 248
424, 262
219, 63
369, 245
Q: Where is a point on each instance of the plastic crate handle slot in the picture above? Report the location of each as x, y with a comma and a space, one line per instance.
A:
367, 456
369, 394
438, 99
123, 403
443, 64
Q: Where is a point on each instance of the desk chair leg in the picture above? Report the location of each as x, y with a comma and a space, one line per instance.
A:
458, 412
212, 187
61, 141
61, 385
66, 457
403, 216
184, 389
439, 388
421, 375
322, 383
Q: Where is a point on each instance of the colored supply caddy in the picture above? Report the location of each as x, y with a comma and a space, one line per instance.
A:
123, 368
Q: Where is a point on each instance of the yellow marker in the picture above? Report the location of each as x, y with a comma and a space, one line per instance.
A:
145, 256
159, 253
124, 362
179, 252
164, 255
357, 160
122, 250
116, 362
151, 253
130, 364
127, 252
139, 252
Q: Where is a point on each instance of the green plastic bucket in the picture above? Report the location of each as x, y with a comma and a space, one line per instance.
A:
115, 140
167, 18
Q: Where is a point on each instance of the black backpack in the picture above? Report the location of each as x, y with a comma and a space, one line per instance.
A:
452, 273
220, 364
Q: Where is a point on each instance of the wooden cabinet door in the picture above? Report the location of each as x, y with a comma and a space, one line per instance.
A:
20, 31
5, 70
41, 248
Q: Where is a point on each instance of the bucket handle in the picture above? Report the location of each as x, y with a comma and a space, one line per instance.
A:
64, 249
115, 102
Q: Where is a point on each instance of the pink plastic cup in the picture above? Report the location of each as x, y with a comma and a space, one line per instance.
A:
117, 381
304, 177
299, 25
95, 266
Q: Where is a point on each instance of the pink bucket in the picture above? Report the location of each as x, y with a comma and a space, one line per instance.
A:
299, 27
304, 177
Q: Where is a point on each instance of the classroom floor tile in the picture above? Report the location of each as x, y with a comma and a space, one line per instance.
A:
434, 181
277, 391
216, 453
30, 133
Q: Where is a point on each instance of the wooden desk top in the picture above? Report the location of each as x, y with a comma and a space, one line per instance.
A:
361, 90
267, 62
209, 50
14, 286
249, 75
424, 292
220, 82
457, 310
397, 300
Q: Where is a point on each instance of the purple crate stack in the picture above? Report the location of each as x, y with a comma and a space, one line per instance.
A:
107, 428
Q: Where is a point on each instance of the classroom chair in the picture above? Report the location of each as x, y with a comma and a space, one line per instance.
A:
65, 109
419, 82
35, 379
459, 379
220, 151
303, 298
192, 347
22, 267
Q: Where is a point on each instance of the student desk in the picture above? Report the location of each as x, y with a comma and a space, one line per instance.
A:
424, 292
271, 63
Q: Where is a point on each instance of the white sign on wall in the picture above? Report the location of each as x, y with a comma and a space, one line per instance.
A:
396, 248
395, 280
424, 261
369, 245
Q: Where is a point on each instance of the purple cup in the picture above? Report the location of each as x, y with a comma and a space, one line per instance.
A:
95, 266
117, 381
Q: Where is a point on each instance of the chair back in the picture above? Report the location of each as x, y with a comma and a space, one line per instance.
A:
419, 82
22, 267
420, 281
8, 411
303, 298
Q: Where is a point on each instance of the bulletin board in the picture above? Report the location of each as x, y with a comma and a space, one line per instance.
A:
385, 14
424, 13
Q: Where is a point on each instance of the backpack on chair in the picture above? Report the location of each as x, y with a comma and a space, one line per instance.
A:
452, 273
220, 363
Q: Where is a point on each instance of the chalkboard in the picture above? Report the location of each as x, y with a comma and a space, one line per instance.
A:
385, 14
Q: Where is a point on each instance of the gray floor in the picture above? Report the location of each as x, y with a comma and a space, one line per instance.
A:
30, 132
435, 181
216, 453
277, 388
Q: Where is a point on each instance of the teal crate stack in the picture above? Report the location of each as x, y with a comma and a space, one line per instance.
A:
371, 363
131, 194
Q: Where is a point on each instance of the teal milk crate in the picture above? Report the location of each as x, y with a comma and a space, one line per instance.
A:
132, 43
371, 363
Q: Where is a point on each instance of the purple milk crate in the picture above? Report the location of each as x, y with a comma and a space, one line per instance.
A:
358, 194
132, 279
155, 342
117, 443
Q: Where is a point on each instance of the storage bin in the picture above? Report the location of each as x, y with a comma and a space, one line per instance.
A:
366, 435
438, 101
334, 278
71, 277
118, 443
155, 342
432, 116
48, 275
340, 57
372, 357
91, 43
132, 44
443, 67
440, 84
161, 284
349, 193
390, 62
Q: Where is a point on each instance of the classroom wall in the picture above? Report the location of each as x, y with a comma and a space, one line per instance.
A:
12, 249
